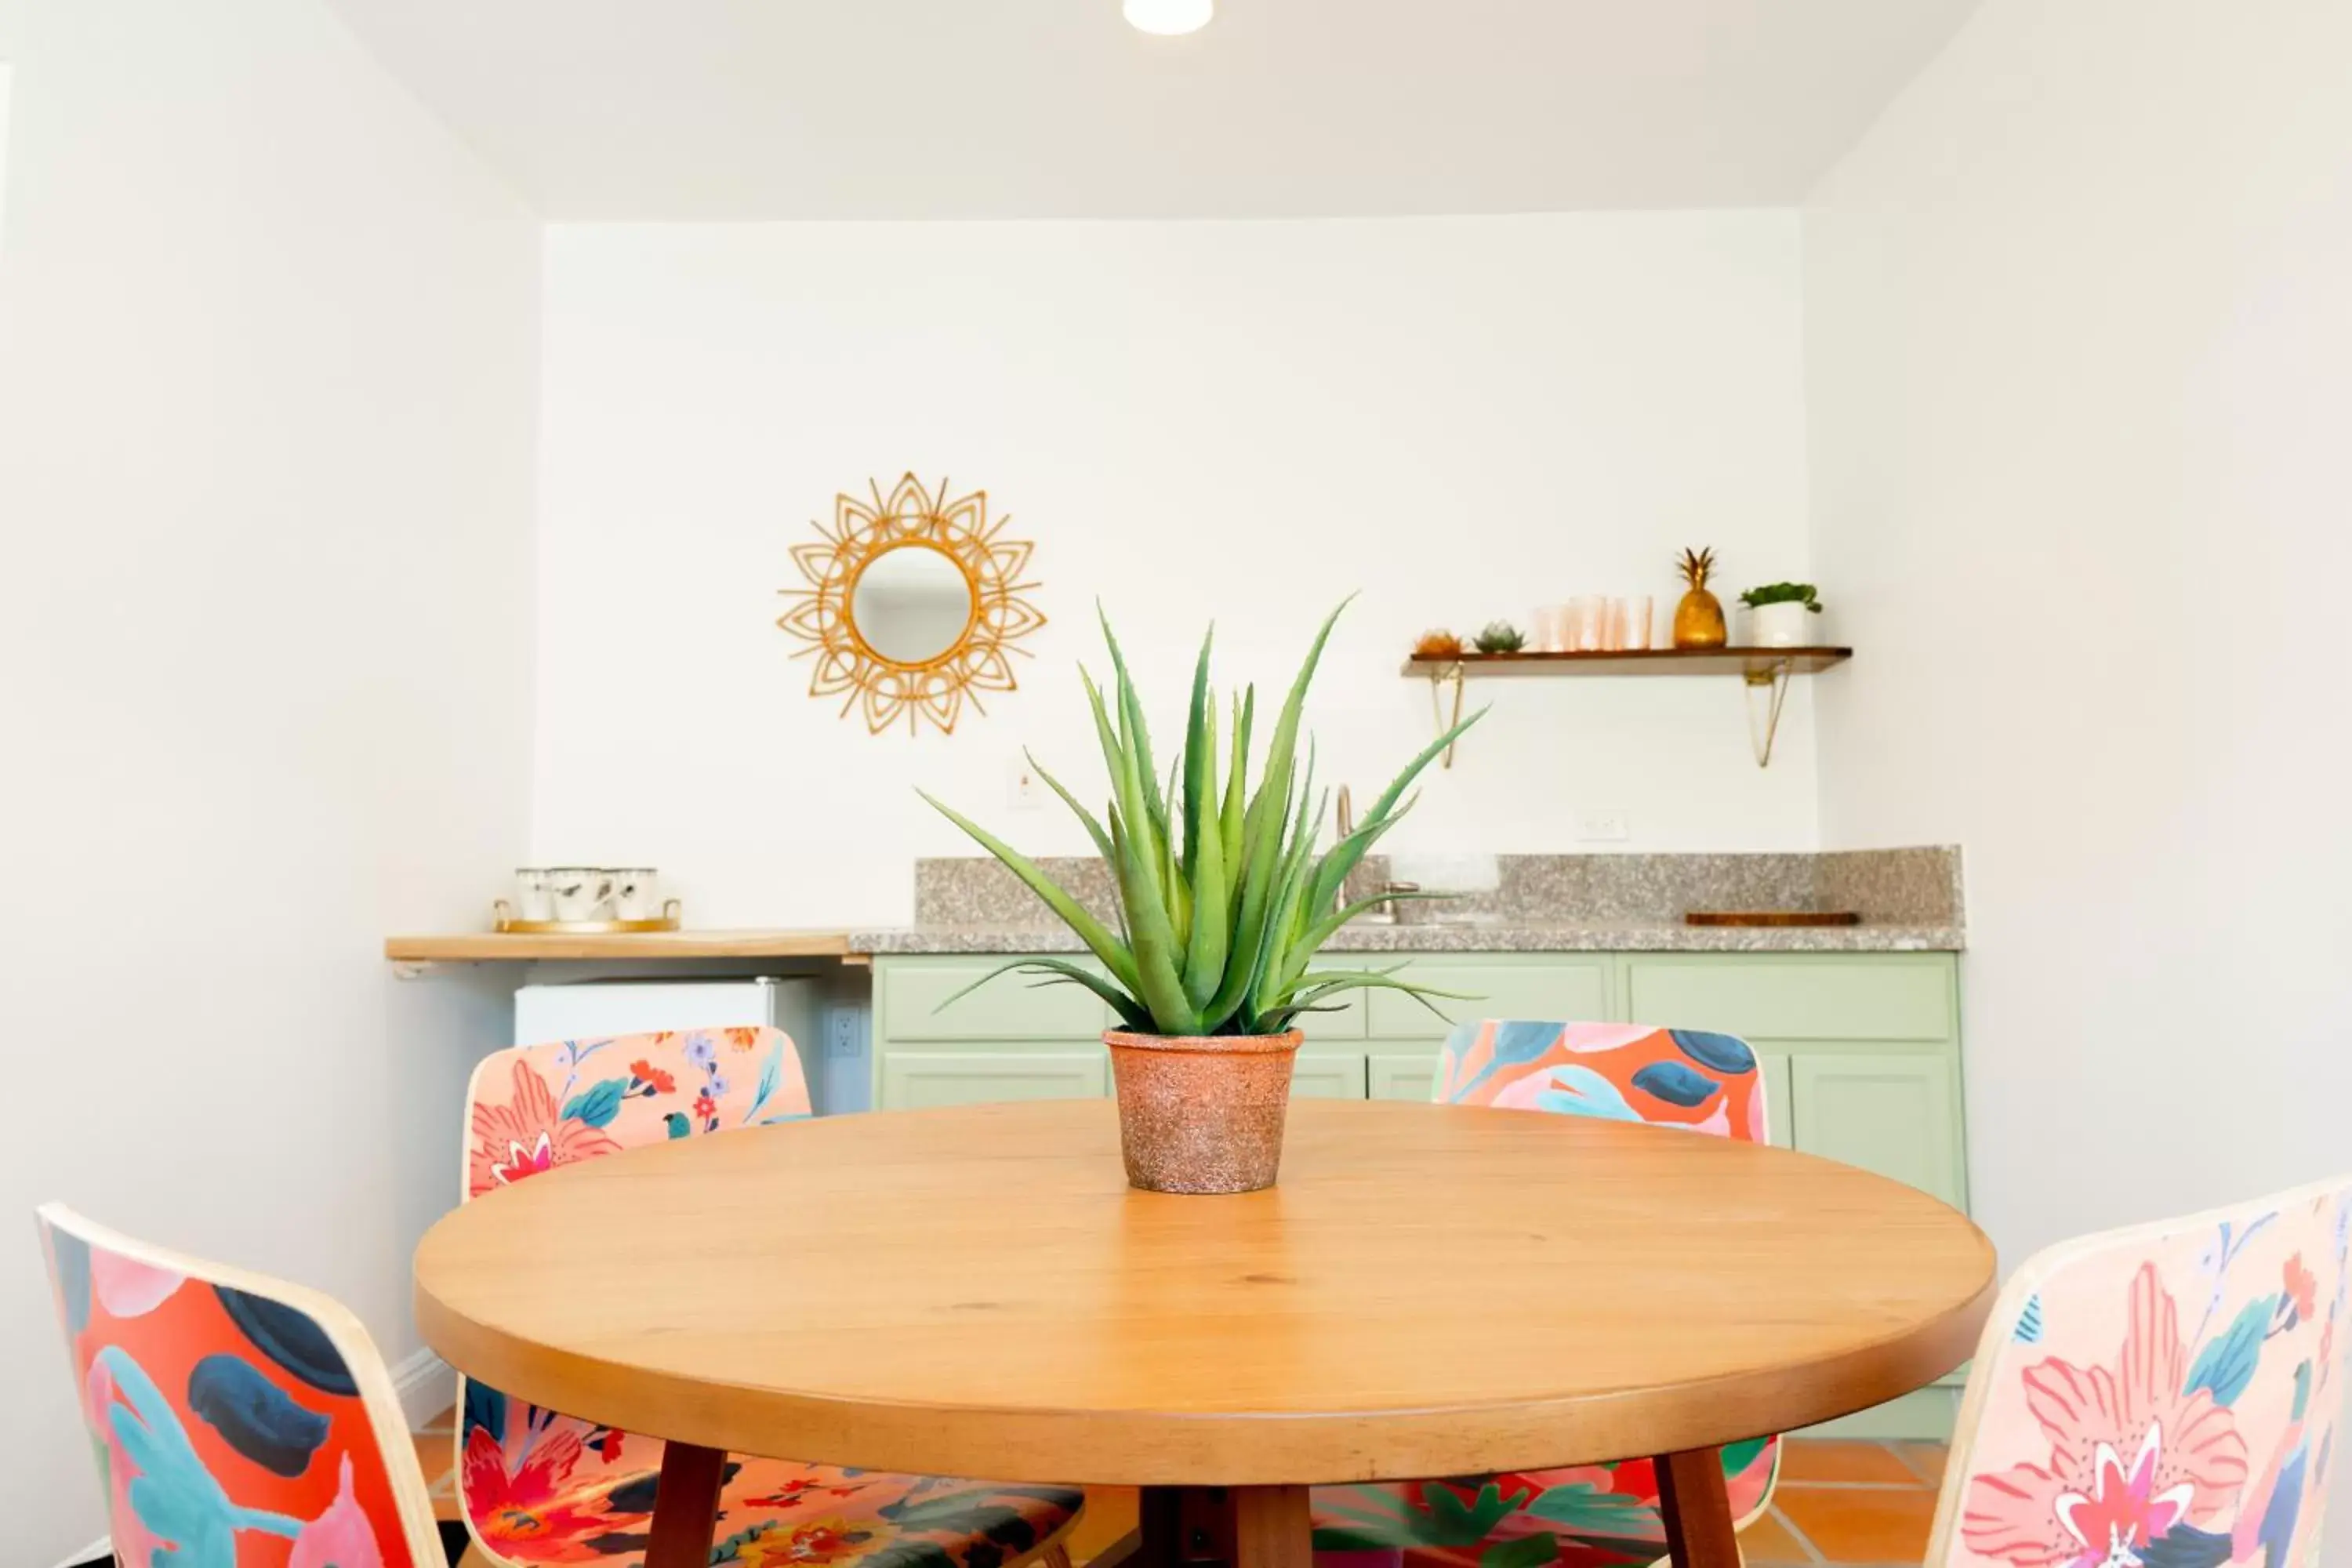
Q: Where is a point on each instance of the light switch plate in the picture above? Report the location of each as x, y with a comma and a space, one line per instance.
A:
1603, 826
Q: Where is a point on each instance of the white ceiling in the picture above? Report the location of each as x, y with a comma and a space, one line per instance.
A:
778, 109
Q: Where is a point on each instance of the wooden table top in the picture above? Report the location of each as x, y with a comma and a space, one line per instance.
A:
1430, 1290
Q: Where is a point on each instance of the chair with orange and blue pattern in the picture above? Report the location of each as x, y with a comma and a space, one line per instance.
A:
235, 1419
1587, 1516
537, 1486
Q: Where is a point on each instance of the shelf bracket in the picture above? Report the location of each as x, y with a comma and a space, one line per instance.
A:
411, 968
1772, 679
1453, 675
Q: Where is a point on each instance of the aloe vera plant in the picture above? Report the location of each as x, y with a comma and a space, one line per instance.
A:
1223, 899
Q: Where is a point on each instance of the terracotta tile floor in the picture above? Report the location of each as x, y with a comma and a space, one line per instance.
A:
1841, 1504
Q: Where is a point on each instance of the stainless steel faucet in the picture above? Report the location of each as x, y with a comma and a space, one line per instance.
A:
1386, 913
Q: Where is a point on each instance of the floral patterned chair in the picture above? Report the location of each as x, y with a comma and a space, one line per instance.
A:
235, 1419
541, 1487
1590, 1516
2163, 1396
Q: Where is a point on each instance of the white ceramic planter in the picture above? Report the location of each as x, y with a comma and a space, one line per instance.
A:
1787, 625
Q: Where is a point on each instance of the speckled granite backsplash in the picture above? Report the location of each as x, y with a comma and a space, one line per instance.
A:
974, 890
1891, 886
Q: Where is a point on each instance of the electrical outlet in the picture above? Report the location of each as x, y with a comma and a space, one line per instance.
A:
1603, 826
841, 1034
1023, 790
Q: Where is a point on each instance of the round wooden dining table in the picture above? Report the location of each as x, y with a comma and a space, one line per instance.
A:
1428, 1292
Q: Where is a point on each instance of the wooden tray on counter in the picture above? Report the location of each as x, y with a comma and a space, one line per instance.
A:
1771, 917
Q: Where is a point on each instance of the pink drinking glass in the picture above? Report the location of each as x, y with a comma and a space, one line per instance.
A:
1630, 619
1588, 616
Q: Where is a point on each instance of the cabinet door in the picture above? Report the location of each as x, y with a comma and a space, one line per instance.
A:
914, 995
920, 1080
1779, 1123
1571, 989
1326, 1075
1797, 996
1399, 1072
1345, 1022
1896, 1115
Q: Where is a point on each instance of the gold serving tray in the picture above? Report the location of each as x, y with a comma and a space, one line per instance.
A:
506, 924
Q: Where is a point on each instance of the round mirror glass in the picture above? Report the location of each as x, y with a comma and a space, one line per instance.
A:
912, 603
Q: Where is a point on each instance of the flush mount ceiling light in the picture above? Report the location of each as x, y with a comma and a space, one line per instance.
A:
1168, 18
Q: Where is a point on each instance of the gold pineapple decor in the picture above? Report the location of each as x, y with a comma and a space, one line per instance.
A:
1699, 619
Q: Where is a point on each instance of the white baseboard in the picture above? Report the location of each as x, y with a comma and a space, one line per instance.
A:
426, 1385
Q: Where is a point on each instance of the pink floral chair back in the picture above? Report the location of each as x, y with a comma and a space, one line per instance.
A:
1589, 1516
234, 1419
539, 1486
2165, 1395
532, 1108
526, 1475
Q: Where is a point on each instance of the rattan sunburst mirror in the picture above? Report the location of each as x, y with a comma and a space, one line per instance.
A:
913, 604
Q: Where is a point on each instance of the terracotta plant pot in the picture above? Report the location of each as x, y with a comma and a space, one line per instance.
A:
1201, 1114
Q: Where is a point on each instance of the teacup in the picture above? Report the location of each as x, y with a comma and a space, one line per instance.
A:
580, 892
634, 894
534, 899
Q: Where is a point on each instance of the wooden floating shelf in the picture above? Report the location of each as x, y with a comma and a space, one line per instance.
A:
1636, 661
1769, 669
516, 947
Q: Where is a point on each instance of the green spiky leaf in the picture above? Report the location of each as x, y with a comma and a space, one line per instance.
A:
1223, 900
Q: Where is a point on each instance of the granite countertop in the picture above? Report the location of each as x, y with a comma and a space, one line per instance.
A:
1457, 937
1909, 901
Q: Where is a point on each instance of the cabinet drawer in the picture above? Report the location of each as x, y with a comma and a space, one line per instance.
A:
1873, 997
1896, 1115
1345, 1024
1570, 990
1008, 1008
921, 1081
1399, 1072
1326, 1075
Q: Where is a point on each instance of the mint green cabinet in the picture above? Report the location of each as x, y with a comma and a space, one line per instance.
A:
1860, 1052
910, 998
1346, 1022
1897, 997
1499, 986
923, 1079
1325, 1074
1402, 1072
1779, 1120
1896, 1115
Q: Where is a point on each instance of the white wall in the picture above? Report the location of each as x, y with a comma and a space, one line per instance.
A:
1241, 422
266, 402
2079, 340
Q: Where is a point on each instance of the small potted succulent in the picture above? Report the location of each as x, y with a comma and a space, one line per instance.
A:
1777, 612
1223, 902
1500, 636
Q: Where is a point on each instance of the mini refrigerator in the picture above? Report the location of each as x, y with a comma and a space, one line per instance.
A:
589, 1008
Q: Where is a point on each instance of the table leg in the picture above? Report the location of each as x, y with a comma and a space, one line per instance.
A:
1234, 1527
1272, 1527
1696, 1509
686, 1506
